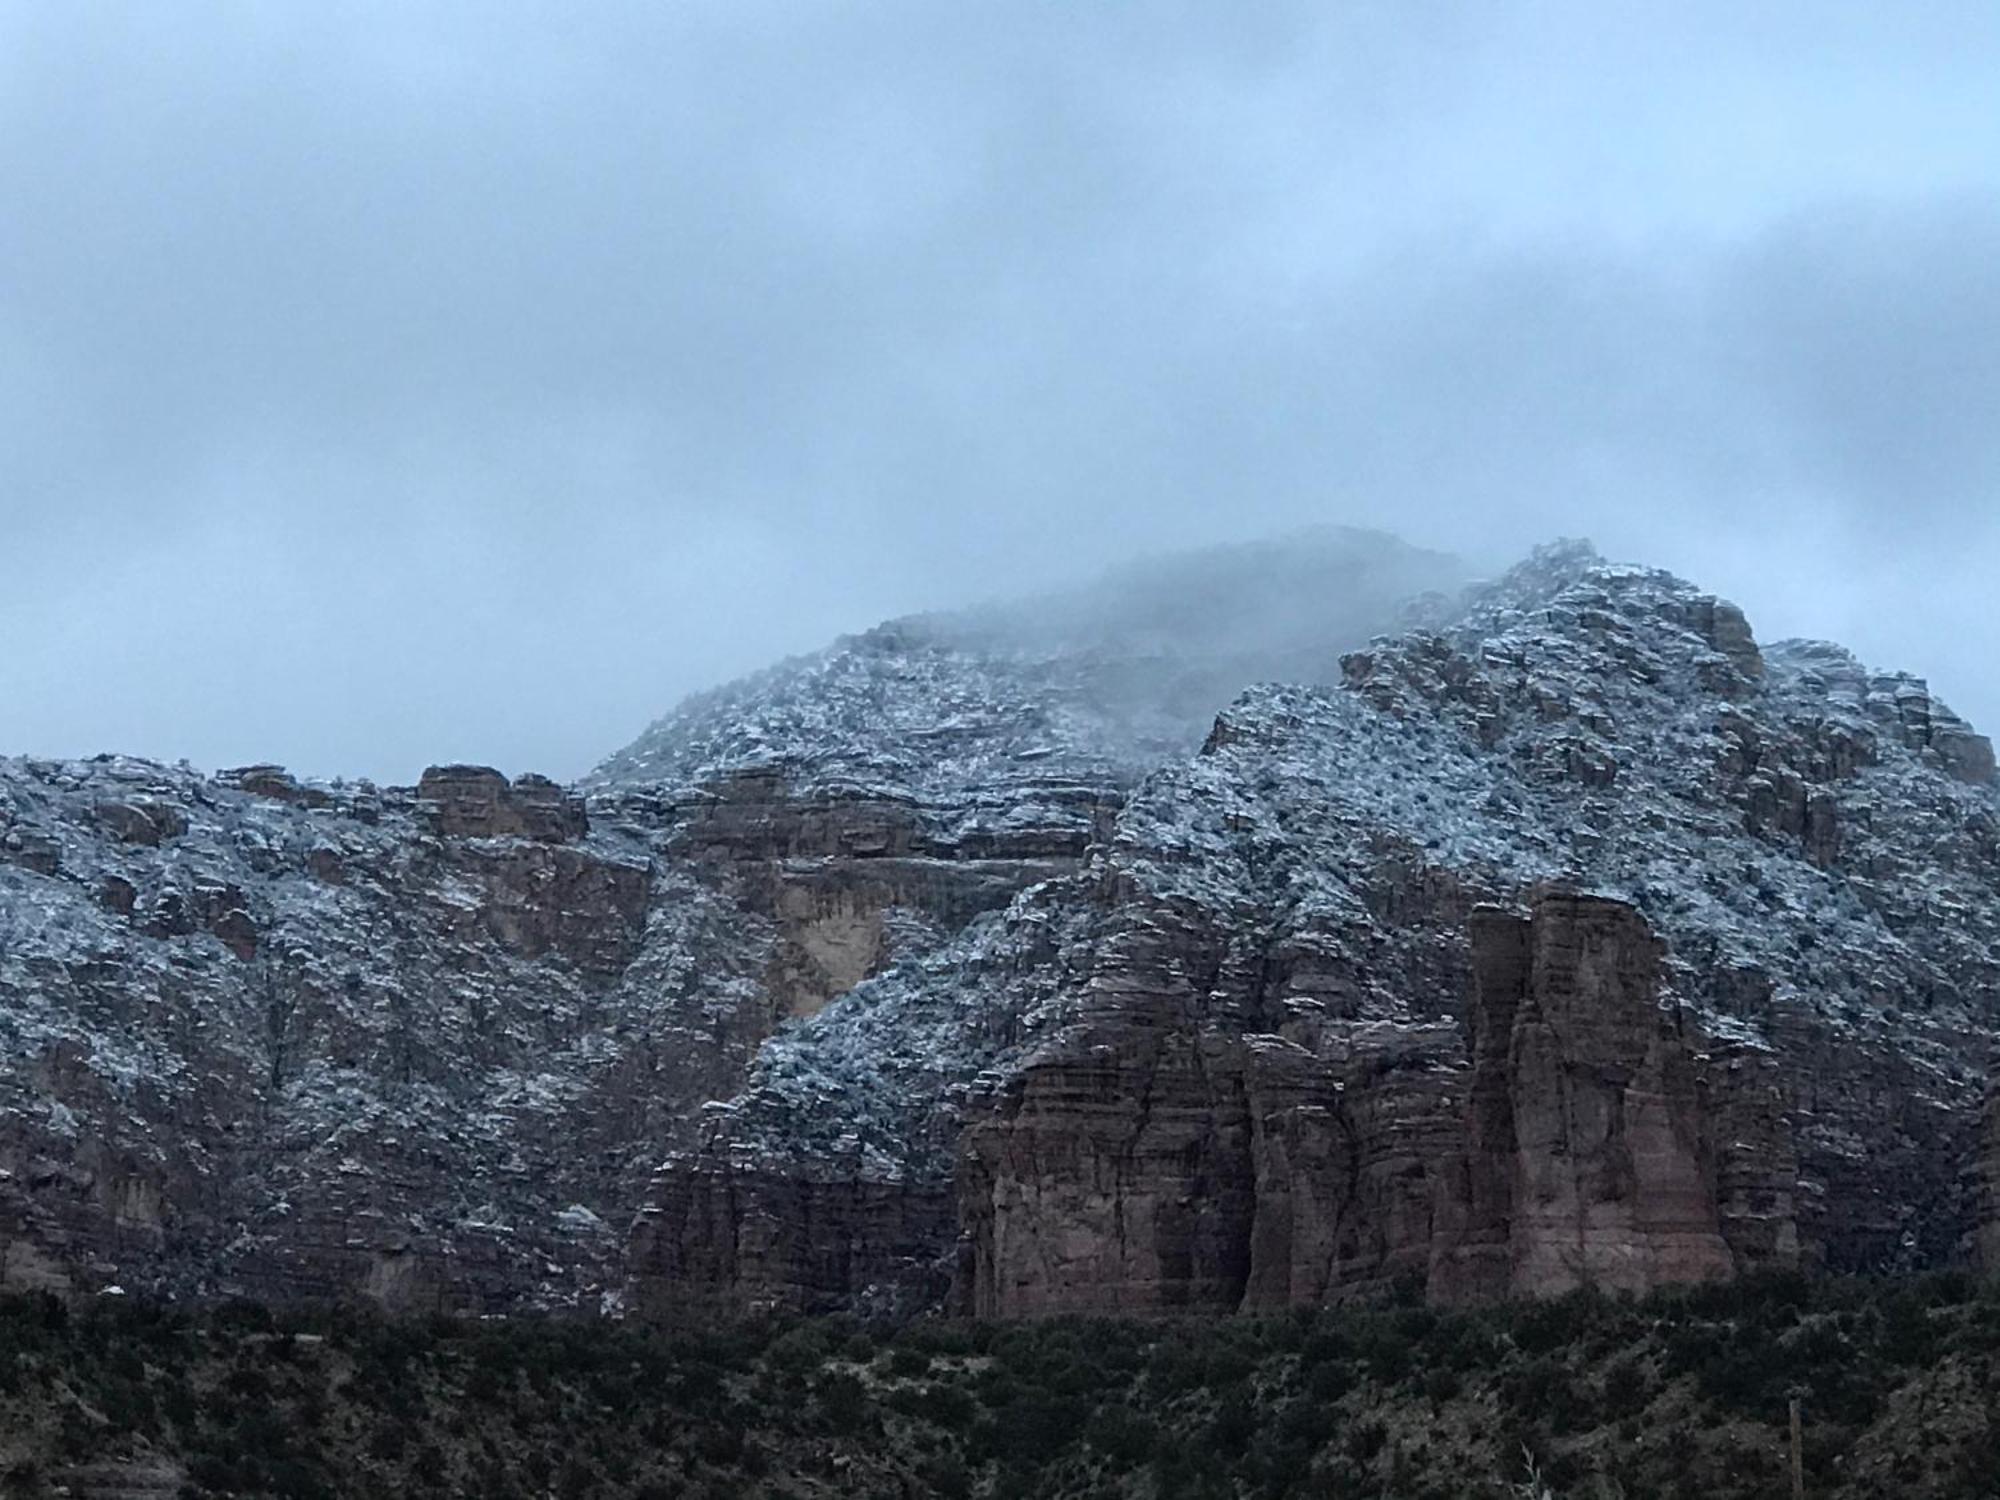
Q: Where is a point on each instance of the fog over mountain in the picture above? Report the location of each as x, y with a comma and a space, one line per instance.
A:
389, 384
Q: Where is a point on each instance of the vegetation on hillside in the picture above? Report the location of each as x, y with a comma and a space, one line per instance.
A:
1677, 1395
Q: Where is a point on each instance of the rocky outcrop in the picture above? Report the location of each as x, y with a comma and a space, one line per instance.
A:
734, 1238
477, 802
1722, 626
275, 782
140, 820
1588, 1159
853, 877
1564, 1141
1116, 1179
1208, 1174
536, 899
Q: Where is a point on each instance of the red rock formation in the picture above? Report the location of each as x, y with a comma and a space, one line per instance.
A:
275, 783
716, 1237
1143, 1164
1586, 1155
539, 898
828, 866
478, 802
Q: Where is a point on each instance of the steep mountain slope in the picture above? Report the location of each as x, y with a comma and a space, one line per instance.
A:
291, 1040
428, 1044
1265, 1047
1094, 685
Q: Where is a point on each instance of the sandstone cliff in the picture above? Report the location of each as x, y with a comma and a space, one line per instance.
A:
1565, 935
1587, 1154
1561, 1142
284, 1038
1259, 1050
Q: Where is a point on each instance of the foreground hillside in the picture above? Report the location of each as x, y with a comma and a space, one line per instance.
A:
1680, 1394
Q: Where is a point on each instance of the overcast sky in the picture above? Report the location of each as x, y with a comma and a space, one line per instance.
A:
382, 384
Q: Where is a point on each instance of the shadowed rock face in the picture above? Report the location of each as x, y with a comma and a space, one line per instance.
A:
1983, 1183
1588, 1157
1146, 1166
727, 1240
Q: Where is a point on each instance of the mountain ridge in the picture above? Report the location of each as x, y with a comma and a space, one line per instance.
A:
432, 1045
1418, 745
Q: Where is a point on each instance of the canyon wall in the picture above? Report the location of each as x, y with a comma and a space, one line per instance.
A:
1562, 1141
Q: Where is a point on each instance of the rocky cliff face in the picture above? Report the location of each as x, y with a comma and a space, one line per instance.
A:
1563, 934
302, 1040
1260, 1049
1588, 1158
423, 1044
280, 1038
1560, 1141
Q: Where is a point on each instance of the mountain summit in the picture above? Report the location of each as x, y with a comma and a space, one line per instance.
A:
1101, 681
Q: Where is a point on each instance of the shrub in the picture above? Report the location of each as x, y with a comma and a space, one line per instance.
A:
1122, 1435
1029, 1432
944, 1406
905, 1363
1627, 1388
1328, 1383
843, 1401
1234, 1425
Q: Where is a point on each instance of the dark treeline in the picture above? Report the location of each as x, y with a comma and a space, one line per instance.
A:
1677, 1395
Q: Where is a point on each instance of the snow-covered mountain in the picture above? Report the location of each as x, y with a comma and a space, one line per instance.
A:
1245, 1029
1253, 927
429, 1042
1098, 683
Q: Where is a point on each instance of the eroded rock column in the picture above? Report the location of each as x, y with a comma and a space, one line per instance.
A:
1586, 1161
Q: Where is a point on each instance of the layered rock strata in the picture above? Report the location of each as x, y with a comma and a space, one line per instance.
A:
1153, 1166
981, 953
271, 1036
1243, 1079
1588, 1160
422, 1045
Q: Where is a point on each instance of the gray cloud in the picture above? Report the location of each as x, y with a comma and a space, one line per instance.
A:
402, 382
